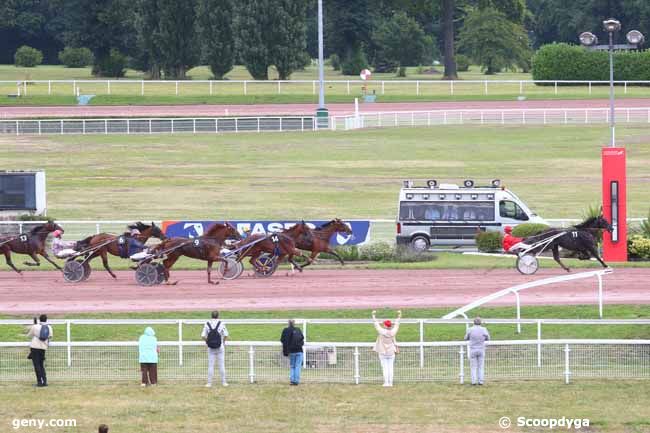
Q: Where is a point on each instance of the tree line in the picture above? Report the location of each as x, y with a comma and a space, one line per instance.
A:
166, 38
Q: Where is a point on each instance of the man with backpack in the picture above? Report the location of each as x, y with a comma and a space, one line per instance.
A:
215, 335
40, 333
292, 342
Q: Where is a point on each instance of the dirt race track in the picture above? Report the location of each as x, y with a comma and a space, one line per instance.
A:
46, 291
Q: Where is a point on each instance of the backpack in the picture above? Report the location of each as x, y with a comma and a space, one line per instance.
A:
214, 337
44, 334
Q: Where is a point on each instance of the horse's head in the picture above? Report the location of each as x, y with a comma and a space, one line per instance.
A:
231, 231
157, 232
341, 226
49, 227
596, 223
148, 231
222, 231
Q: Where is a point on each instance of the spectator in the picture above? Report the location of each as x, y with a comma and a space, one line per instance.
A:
215, 335
477, 335
148, 348
103, 428
292, 342
386, 345
41, 333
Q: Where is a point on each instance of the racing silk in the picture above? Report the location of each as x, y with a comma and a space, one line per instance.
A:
510, 240
59, 245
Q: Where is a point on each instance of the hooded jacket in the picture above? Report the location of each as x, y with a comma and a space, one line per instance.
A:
148, 347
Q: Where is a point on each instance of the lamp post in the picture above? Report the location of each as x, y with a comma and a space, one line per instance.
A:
614, 179
321, 113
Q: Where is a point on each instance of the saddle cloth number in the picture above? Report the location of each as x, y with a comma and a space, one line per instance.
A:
275, 239
23, 238
574, 234
196, 242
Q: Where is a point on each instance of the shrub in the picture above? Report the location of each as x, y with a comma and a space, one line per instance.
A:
28, 57
76, 57
489, 242
348, 253
571, 62
462, 63
638, 247
354, 63
113, 65
335, 61
528, 229
377, 252
645, 227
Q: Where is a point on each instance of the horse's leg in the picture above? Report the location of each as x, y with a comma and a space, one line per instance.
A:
7, 253
556, 256
168, 263
594, 253
210, 261
104, 256
332, 252
290, 260
36, 261
47, 257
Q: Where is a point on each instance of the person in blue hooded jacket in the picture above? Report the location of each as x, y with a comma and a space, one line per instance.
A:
148, 349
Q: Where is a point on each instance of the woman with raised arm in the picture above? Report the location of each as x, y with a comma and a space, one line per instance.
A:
386, 345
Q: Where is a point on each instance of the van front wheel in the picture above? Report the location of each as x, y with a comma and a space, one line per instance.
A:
420, 244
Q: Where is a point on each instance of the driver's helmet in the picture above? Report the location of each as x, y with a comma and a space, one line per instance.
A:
508, 229
57, 233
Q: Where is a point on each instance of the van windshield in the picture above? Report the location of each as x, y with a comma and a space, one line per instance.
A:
456, 211
510, 209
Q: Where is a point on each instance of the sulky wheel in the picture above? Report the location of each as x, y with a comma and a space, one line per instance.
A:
147, 274
235, 269
87, 271
527, 264
265, 265
73, 271
161, 272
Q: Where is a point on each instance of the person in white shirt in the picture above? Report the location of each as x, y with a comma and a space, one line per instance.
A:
61, 248
215, 335
386, 345
37, 347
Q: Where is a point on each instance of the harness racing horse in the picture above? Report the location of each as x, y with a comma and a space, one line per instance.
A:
278, 245
318, 240
103, 244
32, 244
207, 247
578, 238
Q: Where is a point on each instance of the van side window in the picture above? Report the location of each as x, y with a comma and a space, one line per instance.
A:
510, 209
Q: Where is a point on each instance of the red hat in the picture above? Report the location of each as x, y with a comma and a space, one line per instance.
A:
388, 324
507, 229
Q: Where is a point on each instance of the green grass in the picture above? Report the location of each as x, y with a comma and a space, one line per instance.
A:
229, 92
356, 174
423, 408
357, 333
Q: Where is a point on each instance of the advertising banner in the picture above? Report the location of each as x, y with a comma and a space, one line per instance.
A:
192, 229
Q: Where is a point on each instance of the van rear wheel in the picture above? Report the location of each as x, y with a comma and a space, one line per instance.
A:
420, 244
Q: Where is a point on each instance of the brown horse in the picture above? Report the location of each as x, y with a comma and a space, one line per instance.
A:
317, 240
103, 244
32, 244
278, 245
207, 247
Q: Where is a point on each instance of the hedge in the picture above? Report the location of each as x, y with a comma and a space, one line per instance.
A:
528, 229
489, 242
572, 62
76, 57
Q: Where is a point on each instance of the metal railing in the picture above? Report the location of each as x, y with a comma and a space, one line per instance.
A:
354, 363
128, 126
524, 116
281, 87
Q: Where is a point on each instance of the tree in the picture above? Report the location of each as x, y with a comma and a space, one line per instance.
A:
215, 31
493, 41
147, 21
288, 37
448, 9
252, 24
177, 39
401, 42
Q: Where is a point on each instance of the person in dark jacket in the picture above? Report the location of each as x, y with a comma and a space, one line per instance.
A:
292, 342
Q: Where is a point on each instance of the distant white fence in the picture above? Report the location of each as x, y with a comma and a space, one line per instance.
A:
157, 125
280, 87
330, 362
526, 116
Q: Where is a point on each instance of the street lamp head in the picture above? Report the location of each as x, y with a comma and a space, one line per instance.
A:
588, 39
635, 37
612, 25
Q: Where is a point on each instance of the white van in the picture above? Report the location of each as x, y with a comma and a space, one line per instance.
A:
451, 215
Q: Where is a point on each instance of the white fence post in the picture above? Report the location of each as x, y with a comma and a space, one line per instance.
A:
486, 89
279, 88
567, 372
49, 87
105, 126
304, 334
74, 87
451, 87
556, 87
590, 87
68, 341
313, 87
142, 88
357, 376
245, 88
461, 356
521, 87
417, 88
625, 88
251, 364
539, 343
383, 87
176, 88
421, 343
348, 87
180, 343
108, 87
97, 228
